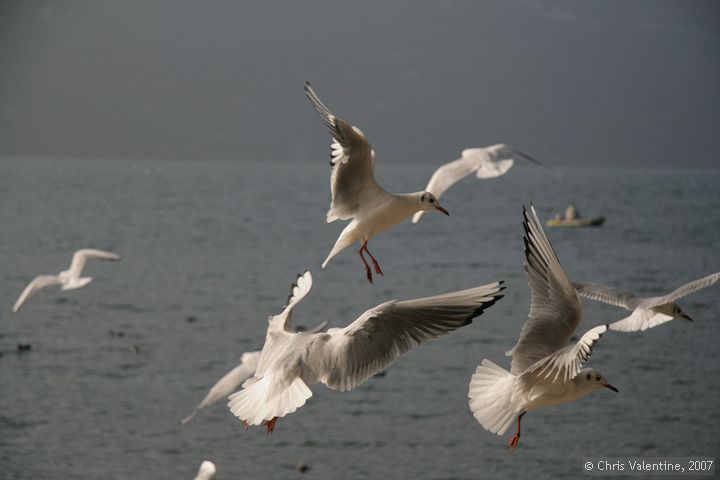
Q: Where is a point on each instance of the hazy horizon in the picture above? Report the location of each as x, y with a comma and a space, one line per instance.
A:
571, 83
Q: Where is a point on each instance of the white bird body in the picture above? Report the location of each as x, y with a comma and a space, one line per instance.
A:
232, 380
69, 279
356, 194
388, 211
343, 358
646, 312
487, 162
546, 367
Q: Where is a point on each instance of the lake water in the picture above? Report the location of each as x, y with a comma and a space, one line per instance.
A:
221, 242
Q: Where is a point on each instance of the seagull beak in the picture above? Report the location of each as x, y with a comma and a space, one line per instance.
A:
610, 387
686, 316
441, 209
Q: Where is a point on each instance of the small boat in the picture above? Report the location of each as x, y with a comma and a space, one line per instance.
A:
576, 222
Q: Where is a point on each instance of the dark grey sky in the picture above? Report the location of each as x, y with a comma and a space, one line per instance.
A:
571, 82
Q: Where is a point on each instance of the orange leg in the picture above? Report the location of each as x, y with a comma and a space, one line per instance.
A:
516, 438
374, 261
367, 267
270, 424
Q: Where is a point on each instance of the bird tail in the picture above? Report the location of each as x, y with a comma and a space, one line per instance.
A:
345, 239
491, 392
266, 399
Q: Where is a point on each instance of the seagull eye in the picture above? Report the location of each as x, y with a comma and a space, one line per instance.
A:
432, 200
597, 379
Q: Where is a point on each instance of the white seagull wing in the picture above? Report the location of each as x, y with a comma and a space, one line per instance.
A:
343, 358
446, 176
555, 311
683, 291
605, 294
564, 364
80, 257
352, 182
298, 291
37, 283
279, 329
228, 383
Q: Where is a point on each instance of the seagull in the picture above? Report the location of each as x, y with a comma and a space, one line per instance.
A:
488, 162
546, 369
234, 378
343, 358
355, 193
70, 279
207, 470
646, 312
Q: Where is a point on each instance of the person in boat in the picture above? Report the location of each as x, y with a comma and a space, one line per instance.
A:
571, 212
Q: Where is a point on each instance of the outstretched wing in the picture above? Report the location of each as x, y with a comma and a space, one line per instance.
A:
298, 291
228, 383
343, 358
564, 364
684, 291
448, 175
605, 294
555, 310
352, 181
81, 257
37, 283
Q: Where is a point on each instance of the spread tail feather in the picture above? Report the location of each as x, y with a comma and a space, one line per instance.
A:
266, 399
346, 238
491, 391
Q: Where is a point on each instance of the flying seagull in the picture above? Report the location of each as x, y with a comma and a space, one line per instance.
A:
646, 312
343, 358
488, 162
355, 193
546, 368
70, 279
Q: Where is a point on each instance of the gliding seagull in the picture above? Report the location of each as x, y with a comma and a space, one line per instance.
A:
70, 279
488, 162
343, 358
355, 193
646, 312
546, 369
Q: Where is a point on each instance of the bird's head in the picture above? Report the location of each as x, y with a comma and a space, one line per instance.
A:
592, 380
428, 202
